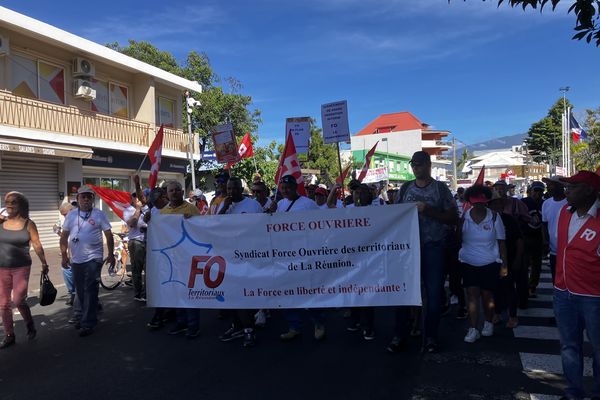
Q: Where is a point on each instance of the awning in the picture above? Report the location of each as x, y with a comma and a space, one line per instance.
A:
44, 148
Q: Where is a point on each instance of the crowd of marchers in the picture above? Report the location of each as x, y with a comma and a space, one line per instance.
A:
488, 244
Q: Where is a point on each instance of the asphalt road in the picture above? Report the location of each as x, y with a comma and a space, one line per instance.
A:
123, 360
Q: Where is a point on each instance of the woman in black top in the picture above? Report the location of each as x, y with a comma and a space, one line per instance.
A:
17, 233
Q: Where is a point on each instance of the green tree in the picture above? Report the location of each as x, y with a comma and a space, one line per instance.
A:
544, 139
462, 160
322, 156
218, 106
586, 154
586, 11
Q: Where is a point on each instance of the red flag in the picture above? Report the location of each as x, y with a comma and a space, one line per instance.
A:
117, 200
479, 180
365, 167
154, 154
288, 165
339, 179
245, 150
575, 136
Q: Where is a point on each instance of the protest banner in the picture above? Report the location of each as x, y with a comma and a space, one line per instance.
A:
299, 128
375, 175
334, 117
225, 144
363, 256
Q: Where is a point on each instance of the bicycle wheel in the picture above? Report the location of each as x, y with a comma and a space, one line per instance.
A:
110, 278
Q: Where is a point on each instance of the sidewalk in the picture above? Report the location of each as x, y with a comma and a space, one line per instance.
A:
55, 270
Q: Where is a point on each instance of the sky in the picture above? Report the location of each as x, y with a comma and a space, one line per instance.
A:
470, 67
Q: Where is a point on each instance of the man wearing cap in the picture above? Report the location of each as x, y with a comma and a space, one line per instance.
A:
136, 235
550, 212
82, 235
220, 193
292, 202
577, 282
437, 210
532, 234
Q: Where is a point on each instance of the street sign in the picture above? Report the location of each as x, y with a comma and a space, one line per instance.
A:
300, 129
334, 117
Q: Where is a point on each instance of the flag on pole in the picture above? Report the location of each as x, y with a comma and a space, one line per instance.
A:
365, 167
154, 154
577, 132
339, 179
245, 150
117, 200
479, 180
288, 165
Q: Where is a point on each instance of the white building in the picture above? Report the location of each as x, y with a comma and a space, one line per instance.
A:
74, 112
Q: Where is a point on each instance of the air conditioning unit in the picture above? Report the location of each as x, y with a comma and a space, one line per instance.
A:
82, 89
83, 67
4, 50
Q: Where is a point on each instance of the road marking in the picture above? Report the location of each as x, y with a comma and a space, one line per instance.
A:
535, 396
542, 297
545, 285
536, 312
546, 275
549, 364
540, 332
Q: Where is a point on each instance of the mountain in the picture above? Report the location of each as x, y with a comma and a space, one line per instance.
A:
504, 142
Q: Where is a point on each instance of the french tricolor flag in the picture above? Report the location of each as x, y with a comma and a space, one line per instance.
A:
577, 132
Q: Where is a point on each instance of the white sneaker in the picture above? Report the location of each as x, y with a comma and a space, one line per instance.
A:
488, 329
472, 335
260, 318
454, 299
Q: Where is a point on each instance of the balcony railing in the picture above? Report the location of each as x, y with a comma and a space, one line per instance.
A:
23, 112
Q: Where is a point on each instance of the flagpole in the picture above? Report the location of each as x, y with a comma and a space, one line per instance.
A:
337, 145
137, 171
568, 130
255, 167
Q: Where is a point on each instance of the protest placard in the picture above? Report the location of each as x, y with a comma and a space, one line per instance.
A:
334, 117
299, 128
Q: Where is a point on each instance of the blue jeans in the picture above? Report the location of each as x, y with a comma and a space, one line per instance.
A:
190, 317
574, 314
432, 277
87, 277
68, 278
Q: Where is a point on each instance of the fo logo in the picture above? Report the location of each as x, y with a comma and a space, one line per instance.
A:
202, 265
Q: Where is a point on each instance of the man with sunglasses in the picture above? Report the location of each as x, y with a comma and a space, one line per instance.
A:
82, 235
437, 211
261, 194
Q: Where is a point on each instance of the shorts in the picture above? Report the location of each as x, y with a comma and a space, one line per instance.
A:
485, 277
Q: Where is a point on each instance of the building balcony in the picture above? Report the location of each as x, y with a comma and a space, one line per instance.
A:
21, 112
436, 144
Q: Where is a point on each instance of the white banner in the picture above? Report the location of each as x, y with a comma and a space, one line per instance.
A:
363, 256
374, 175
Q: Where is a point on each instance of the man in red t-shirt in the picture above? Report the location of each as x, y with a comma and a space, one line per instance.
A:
577, 282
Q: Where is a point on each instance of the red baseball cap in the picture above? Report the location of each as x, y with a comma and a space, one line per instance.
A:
478, 199
586, 177
321, 191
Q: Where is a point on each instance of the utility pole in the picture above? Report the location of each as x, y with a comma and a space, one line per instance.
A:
454, 169
190, 146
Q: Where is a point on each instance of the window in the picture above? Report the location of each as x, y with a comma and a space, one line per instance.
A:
110, 183
100, 103
51, 81
37, 79
166, 112
119, 102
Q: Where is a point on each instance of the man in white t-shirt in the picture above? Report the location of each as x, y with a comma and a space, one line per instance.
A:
292, 202
550, 212
136, 234
82, 235
243, 320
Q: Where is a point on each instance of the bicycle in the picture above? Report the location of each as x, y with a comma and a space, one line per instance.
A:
113, 277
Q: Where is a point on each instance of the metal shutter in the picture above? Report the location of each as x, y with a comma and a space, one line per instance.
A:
38, 181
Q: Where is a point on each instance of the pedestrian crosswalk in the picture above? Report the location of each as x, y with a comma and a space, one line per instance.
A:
537, 326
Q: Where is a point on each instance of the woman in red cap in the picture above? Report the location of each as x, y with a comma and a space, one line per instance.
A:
483, 258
